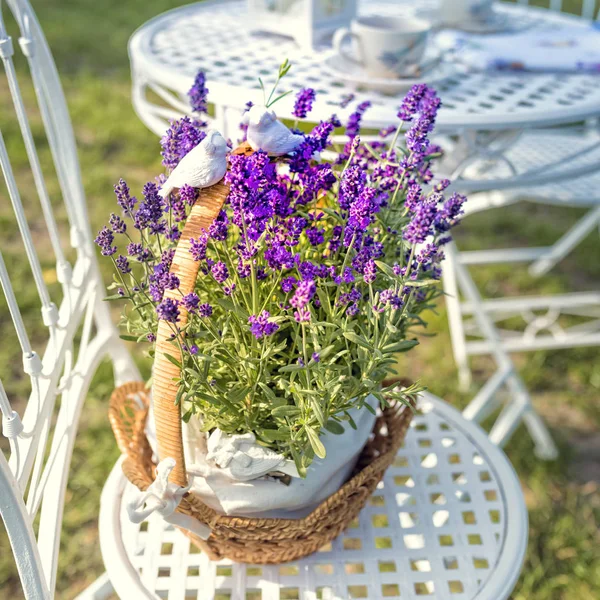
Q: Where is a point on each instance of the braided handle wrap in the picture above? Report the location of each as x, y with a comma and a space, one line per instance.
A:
167, 414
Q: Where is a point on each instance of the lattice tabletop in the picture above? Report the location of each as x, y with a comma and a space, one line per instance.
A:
447, 522
214, 36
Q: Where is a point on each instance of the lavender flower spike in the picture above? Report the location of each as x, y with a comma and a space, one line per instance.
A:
104, 240
304, 102
197, 94
304, 292
168, 310
261, 325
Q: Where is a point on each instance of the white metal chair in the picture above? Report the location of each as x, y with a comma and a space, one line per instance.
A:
481, 318
78, 328
448, 521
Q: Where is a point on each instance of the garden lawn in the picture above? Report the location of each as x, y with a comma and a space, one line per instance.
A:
89, 40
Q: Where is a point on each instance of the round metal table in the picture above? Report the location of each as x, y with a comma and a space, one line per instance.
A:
215, 37
489, 110
447, 522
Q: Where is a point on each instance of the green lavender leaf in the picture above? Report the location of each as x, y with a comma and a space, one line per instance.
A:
334, 427
315, 442
357, 339
402, 346
172, 359
285, 411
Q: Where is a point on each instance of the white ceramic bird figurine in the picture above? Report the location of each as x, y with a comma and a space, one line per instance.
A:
243, 459
266, 133
201, 167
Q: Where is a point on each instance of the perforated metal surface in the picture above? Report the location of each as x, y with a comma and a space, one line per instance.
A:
569, 158
447, 522
214, 37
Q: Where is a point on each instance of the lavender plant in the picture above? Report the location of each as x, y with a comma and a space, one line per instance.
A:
313, 277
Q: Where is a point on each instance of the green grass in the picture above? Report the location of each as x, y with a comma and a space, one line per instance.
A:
89, 41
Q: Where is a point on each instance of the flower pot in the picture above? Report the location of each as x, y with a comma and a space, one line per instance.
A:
255, 539
261, 540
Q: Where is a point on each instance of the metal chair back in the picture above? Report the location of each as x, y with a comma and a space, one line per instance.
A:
62, 344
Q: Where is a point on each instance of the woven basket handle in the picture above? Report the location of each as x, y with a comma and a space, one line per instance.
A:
167, 414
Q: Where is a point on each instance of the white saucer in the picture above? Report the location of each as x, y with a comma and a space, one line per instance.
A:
434, 71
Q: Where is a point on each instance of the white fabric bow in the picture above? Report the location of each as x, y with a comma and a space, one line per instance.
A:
163, 497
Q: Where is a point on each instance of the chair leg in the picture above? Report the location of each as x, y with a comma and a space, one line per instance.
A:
519, 406
545, 448
455, 322
518, 409
566, 243
99, 590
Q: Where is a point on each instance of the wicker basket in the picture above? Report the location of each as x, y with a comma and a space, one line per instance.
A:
252, 540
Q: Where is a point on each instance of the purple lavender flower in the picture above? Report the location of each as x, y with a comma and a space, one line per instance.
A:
441, 185
335, 241
229, 289
125, 201
134, 249
197, 94
308, 270
413, 197
319, 137
302, 315
261, 325
370, 272
243, 124
243, 270
220, 272
150, 213
205, 310
218, 228
182, 136
151, 337
352, 184
386, 131
304, 102
278, 257
304, 292
420, 226
177, 207
104, 239
188, 194
117, 224
410, 104
253, 191
198, 247
449, 212
353, 125
316, 357
287, 285
315, 236
123, 264
190, 302
352, 310
168, 310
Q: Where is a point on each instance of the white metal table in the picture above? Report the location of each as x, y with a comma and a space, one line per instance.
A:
214, 36
499, 123
447, 522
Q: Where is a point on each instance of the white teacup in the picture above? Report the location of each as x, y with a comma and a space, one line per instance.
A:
384, 46
464, 11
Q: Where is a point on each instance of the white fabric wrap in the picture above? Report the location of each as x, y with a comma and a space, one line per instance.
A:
269, 498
